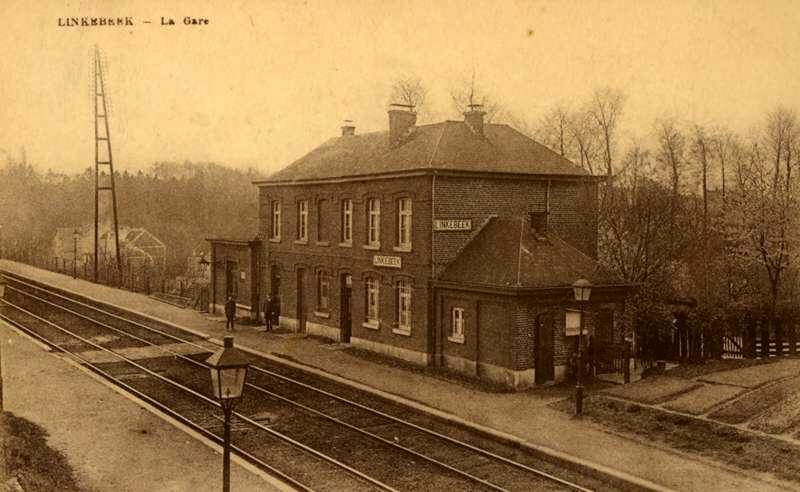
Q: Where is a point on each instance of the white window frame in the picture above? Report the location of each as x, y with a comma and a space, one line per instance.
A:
346, 216
276, 220
374, 222
302, 220
403, 313
372, 302
404, 223
456, 325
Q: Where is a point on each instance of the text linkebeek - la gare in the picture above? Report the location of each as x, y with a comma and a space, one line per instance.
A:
125, 21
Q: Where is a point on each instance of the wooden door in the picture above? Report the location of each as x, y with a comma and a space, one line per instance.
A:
346, 321
544, 348
301, 308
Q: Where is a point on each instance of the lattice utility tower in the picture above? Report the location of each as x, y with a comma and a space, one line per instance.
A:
102, 159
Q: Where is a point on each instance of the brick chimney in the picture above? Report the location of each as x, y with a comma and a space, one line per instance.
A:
402, 119
348, 128
474, 118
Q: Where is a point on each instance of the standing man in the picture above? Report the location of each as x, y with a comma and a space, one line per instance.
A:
276, 310
230, 313
267, 308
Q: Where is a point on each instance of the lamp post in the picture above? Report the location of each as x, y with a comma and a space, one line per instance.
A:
2, 293
75, 236
582, 289
228, 373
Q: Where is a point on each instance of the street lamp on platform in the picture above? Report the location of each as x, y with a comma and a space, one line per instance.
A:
228, 373
582, 289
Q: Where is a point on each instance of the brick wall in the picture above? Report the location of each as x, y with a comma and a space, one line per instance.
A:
326, 254
573, 212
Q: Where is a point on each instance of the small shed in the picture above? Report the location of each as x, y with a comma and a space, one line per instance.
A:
235, 265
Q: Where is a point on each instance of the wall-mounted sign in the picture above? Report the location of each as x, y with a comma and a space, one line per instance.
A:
387, 261
452, 224
243, 275
572, 324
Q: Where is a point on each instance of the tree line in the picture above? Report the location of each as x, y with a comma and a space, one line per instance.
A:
182, 204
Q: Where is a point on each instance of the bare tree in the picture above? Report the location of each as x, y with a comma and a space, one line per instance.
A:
554, 129
781, 137
761, 220
670, 153
606, 109
467, 94
410, 91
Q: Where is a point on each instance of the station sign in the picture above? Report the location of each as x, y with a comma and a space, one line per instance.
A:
387, 261
452, 224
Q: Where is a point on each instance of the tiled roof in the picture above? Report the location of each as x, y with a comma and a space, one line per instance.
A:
508, 253
445, 146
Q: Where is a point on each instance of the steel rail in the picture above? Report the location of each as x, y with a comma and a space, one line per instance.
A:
200, 396
344, 400
385, 441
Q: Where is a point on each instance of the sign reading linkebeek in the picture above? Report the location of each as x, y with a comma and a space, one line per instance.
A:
387, 261
452, 224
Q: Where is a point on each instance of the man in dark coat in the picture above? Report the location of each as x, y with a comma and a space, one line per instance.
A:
230, 313
276, 310
268, 308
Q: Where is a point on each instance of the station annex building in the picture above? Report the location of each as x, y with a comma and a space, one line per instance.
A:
452, 244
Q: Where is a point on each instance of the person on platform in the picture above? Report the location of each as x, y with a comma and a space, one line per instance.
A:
267, 308
230, 313
276, 311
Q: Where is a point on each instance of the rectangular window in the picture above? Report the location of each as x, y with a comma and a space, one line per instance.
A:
323, 291
373, 296
276, 220
347, 220
374, 222
404, 223
302, 220
457, 324
320, 221
404, 305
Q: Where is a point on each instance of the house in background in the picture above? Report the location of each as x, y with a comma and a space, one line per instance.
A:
138, 246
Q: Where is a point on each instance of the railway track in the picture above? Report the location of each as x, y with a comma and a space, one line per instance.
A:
341, 437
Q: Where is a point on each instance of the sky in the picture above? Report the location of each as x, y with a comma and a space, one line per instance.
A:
266, 81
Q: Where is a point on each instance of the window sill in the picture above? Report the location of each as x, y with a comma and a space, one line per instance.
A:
274, 239
406, 332
375, 325
346, 245
455, 339
301, 241
322, 243
372, 247
402, 249
322, 314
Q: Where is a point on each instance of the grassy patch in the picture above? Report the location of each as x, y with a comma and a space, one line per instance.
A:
28, 458
653, 390
690, 371
720, 442
757, 402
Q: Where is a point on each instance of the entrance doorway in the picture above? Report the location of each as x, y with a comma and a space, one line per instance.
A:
346, 319
274, 281
544, 348
231, 282
301, 308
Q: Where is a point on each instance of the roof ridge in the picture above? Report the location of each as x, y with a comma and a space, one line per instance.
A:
436, 147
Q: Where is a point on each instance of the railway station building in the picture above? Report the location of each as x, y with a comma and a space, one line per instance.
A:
452, 244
